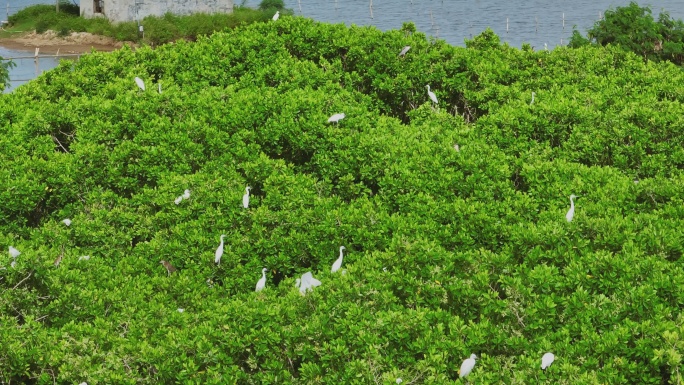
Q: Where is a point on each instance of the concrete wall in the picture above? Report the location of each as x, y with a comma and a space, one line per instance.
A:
131, 10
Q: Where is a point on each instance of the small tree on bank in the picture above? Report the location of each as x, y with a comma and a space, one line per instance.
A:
634, 28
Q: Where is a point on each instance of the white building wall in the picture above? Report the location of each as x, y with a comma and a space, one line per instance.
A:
131, 10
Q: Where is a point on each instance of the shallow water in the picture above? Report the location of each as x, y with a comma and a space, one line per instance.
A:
537, 22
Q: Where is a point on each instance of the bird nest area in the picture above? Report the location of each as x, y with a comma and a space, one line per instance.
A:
297, 202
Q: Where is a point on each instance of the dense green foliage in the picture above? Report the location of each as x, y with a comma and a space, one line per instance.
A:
272, 4
633, 28
5, 66
158, 30
449, 252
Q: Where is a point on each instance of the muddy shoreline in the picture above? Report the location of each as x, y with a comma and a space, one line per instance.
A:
51, 44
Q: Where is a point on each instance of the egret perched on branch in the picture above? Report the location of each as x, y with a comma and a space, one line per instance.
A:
262, 282
169, 267
336, 118
276, 16
140, 83
307, 283
178, 200
432, 95
338, 263
245, 198
467, 366
67, 221
532, 102
14, 253
186, 194
547, 360
571, 212
219, 252
84, 258
404, 50
159, 87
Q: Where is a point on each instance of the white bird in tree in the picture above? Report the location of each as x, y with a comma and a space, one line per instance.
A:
532, 102
245, 198
178, 200
338, 263
467, 366
14, 253
547, 360
336, 118
140, 83
262, 282
159, 87
432, 95
307, 283
276, 16
571, 212
67, 221
404, 50
186, 194
219, 251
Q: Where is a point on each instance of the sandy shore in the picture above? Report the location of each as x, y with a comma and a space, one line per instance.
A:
50, 43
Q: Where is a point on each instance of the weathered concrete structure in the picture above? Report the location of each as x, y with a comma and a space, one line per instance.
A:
131, 10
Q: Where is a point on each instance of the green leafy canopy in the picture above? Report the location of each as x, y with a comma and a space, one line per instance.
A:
452, 214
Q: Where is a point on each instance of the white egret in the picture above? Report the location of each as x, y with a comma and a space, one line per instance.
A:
245, 198
219, 252
547, 360
467, 366
307, 283
83, 383
84, 258
262, 282
546, 47
338, 263
457, 147
159, 87
404, 50
532, 102
571, 212
432, 95
178, 200
67, 221
276, 16
169, 267
399, 381
14, 252
180, 310
140, 83
336, 118
186, 194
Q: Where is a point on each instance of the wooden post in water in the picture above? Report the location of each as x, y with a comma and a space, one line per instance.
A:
563, 21
35, 60
536, 24
371, 8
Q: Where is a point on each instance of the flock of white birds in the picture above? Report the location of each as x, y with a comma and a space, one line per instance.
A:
307, 282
